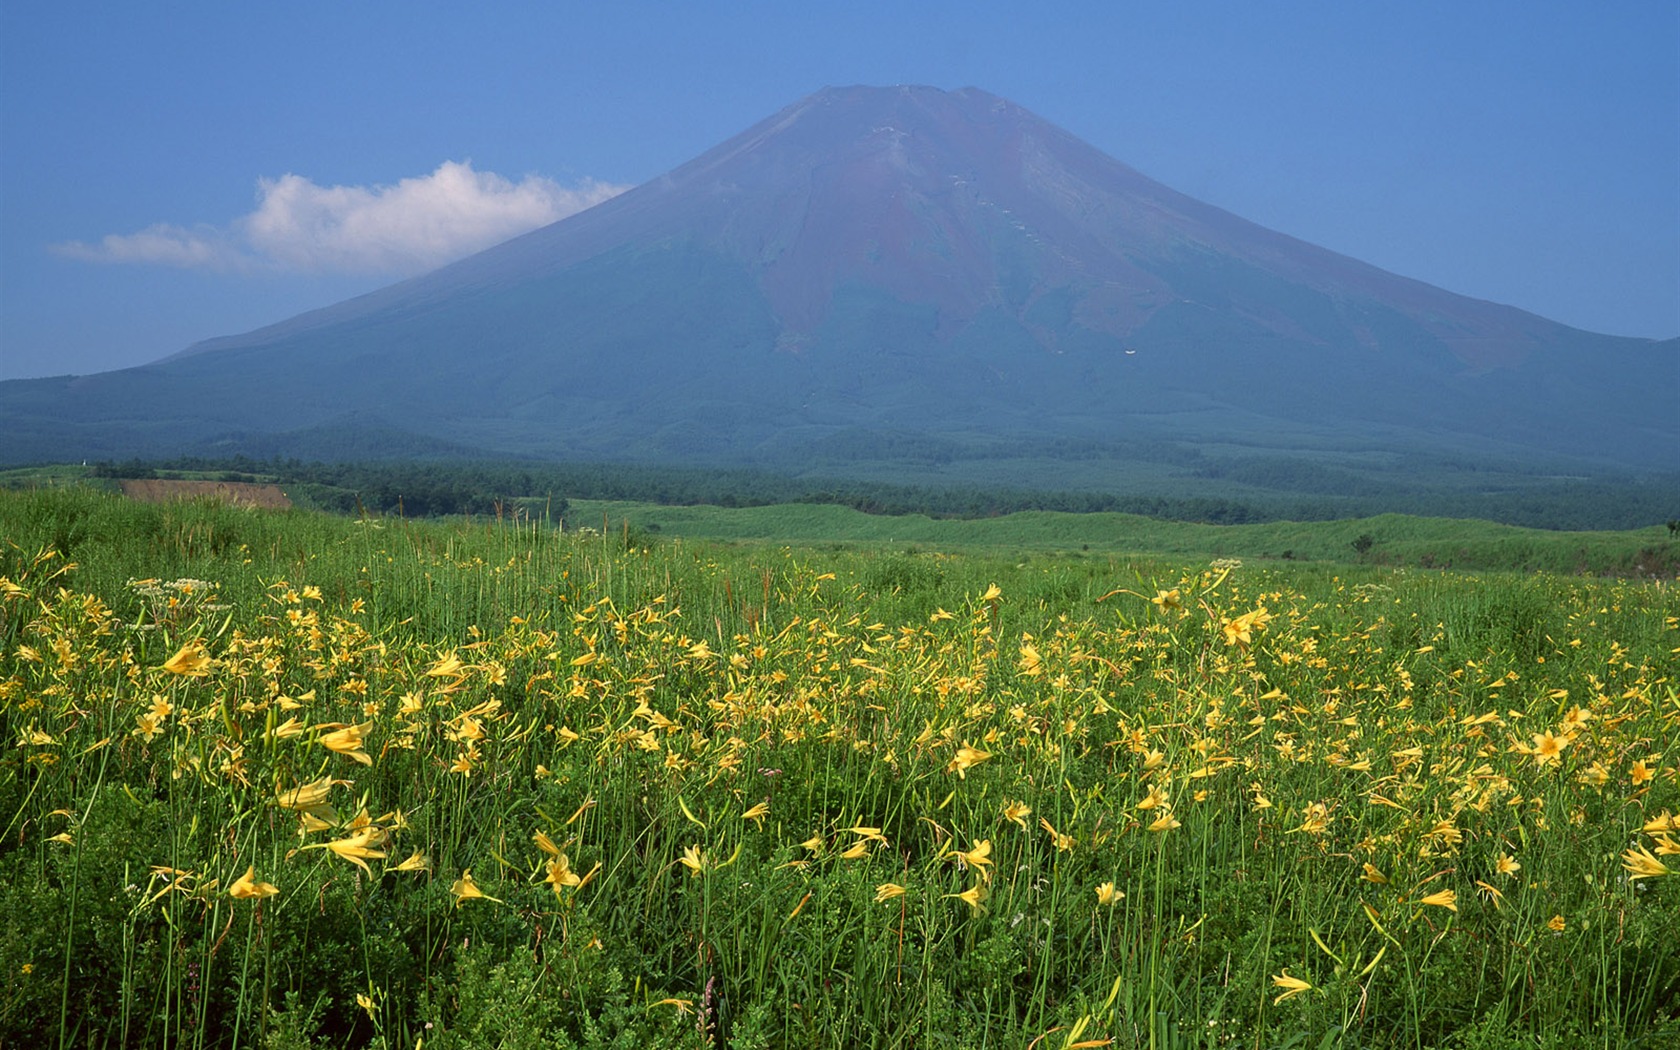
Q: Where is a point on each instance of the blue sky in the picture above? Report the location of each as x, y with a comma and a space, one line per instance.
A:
171, 172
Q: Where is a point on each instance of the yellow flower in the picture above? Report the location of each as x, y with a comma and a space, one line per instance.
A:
967, 758
1165, 822
1165, 600
972, 896
1556, 924
993, 593
1507, 865
355, 847
289, 728
545, 844
1292, 986
886, 891
192, 661
561, 875
1640, 773
465, 889
1493, 893
1063, 842
1155, 798
858, 849
416, 862
694, 859
1548, 747
1641, 863
1374, 876
348, 742
1447, 899
246, 887
1240, 631
757, 813
1018, 812
1107, 894
979, 857
449, 666
366, 1003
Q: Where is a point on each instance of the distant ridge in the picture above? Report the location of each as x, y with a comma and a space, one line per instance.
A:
899, 260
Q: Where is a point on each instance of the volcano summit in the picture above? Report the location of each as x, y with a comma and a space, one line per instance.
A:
872, 266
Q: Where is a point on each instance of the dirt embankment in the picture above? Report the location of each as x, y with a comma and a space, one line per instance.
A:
238, 493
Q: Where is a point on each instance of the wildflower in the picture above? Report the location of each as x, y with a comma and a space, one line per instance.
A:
1018, 812
972, 897
1640, 773
967, 757
191, 661
1031, 663
694, 859
1108, 895
355, 847
560, 874
289, 728
1292, 986
416, 862
814, 843
757, 813
1372, 875
1165, 822
979, 857
348, 742
1641, 863
246, 887
886, 891
1240, 631
1062, 842
1507, 865
545, 844
1447, 899
1548, 747
1155, 798
146, 728
366, 1003
858, 849
1492, 892
1556, 924
1664, 821
448, 666
1165, 600
1316, 819
465, 889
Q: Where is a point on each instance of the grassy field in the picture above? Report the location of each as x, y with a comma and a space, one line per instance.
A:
1394, 539
285, 780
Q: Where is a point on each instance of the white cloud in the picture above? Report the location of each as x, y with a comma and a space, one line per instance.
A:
412, 226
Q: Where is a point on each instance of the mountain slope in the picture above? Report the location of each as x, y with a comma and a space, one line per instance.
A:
893, 259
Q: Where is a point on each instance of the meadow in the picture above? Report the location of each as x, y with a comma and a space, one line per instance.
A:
288, 780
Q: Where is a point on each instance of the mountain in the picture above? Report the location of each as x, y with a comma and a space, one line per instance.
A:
882, 272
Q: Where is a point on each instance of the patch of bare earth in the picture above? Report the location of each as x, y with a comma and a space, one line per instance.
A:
238, 493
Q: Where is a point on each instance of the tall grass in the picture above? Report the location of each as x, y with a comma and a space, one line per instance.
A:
287, 780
